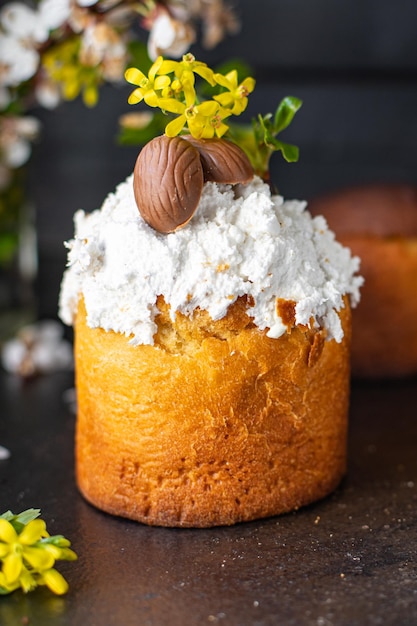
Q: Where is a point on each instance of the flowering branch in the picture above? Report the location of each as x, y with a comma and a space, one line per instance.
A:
171, 87
28, 554
65, 48
62, 49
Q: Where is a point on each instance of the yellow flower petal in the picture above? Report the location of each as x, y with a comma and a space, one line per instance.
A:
6, 586
54, 551
7, 532
134, 76
221, 129
189, 93
27, 581
168, 66
161, 82
171, 105
175, 127
32, 532
155, 67
38, 558
68, 555
4, 549
228, 80
90, 96
223, 81
135, 97
206, 73
208, 108
187, 76
239, 106
71, 89
232, 78
55, 581
167, 92
12, 566
151, 99
3, 581
207, 132
196, 127
249, 84
225, 99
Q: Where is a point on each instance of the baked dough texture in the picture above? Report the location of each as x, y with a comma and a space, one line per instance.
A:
379, 224
214, 424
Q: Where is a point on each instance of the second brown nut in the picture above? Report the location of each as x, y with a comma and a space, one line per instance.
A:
223, 161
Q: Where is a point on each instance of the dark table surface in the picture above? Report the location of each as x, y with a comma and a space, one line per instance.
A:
350, 559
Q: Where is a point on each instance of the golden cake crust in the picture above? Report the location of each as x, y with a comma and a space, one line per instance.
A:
215, 424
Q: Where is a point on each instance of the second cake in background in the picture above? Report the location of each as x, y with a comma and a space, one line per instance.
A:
379, 223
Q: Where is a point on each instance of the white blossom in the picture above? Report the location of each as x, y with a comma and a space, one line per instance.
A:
101, 44
4, 453
38, 349
16, 133
86, 3
18, 63
169, 37
47, 93
19, 20
24, 31
23, 23
54, 13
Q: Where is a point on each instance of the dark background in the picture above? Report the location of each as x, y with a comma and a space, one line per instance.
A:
352, 62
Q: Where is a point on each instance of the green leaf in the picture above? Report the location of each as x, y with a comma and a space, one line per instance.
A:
8, 247
27, 516
265, 130
8, 515
56, 540
285, 112
289, 152
20, 520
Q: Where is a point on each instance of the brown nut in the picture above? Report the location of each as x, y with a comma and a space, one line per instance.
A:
167, 182
223, 161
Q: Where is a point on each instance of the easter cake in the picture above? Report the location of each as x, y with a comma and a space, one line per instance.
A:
212, 340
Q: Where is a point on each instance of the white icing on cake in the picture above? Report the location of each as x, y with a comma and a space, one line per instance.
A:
240, 241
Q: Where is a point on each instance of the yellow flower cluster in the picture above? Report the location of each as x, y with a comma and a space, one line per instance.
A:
28, 554
170, 85
62, 65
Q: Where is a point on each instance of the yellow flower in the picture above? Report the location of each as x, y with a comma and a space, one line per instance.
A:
26, 581
28, 554
207, 120
203, 120
54, 581
236, 98
177, 94
181, 90
147, 86
184, 70
63, 66
16, 550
